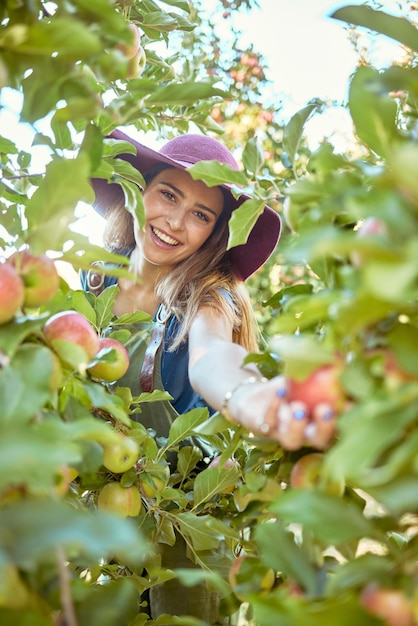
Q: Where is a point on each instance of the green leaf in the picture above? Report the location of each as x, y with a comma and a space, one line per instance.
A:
279, 551
13, 333
358, 572
398, 496
111, 604
212, 481
369, 429
31, 456
183, 93
51, 208
127, 171
373, 111
329, 518
294, 130
25, 617
214, 173
160, 21
398, 28
100, 398
32, 529
25, 383
132, 318
180, 4
79, 301
204, 532
252, 156
242, 221
187, 459
133, 201
69, 37
104, 304
184, 425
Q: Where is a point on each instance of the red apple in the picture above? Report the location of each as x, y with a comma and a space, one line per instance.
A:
11, 292
121, 454
39, 275
122, 501
72, 337
307, 474
371, 226
391, 605
130, 50
113, 368
322, 386
227, 464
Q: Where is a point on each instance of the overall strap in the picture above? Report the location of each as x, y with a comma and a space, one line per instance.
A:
157, 338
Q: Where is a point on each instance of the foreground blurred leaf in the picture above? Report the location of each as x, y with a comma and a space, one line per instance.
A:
329, 518
32, 530
279, 550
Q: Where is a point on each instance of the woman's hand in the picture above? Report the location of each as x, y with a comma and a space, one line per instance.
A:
263, 408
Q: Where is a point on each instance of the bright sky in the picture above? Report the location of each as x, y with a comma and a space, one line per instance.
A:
308, 53
310, 56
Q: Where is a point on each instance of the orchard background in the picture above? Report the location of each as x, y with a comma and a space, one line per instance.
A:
338, 543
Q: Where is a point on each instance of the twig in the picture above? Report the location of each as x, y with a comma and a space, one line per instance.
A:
65, 591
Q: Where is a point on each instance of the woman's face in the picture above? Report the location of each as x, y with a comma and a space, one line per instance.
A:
180, 214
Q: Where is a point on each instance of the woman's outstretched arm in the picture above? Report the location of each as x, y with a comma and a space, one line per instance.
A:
217, 373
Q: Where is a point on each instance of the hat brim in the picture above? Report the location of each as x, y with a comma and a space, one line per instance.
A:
246, 258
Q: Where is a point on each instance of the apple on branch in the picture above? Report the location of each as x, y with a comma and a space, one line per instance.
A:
39, 275
11, 292
391, 605
307, 473
72, 337
322, 386
130, 49
111, 361
120, 454
122, 501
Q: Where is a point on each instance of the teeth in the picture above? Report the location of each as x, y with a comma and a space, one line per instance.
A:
165, 238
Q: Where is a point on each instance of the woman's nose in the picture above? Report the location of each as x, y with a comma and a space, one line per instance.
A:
175, 219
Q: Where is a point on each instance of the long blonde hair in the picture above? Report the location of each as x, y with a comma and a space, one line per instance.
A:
202, 279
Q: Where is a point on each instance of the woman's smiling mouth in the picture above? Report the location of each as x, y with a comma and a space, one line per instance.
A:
164, 238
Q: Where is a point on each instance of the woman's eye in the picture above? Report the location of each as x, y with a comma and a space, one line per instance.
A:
168, 194
202, 216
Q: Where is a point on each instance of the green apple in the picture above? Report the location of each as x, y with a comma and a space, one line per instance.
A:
12, 292
137, 64
39, 275
122, 501
114, 363
120, 454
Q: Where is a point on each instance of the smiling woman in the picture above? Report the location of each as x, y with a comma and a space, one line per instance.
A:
202, 319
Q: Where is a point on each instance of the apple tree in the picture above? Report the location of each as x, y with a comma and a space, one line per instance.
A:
301, 537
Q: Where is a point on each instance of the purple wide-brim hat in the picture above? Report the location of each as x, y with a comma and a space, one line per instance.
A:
182, 152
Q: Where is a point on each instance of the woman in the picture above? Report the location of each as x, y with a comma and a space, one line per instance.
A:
193, 287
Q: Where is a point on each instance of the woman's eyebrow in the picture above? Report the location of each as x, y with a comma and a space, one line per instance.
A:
181, 193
